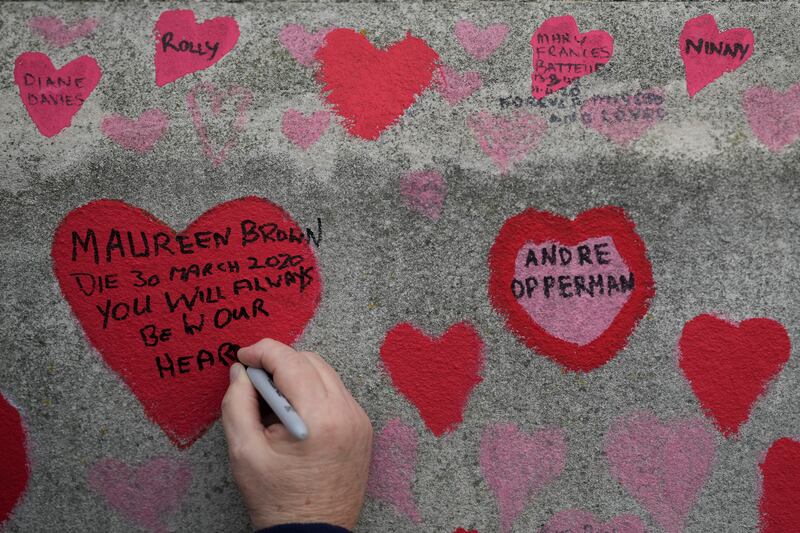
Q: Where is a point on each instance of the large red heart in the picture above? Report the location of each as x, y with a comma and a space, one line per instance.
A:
244, 270
729, 365
52, 97
436, 375
708, 54
372, 88
14, 463
780, 490
183, 46
571, 289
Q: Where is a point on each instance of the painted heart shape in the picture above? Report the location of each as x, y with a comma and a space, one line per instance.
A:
59, 34
774, 116
144, 494
561, 54
176, 307
245, 97
302, 44
480, 43
391, 472
571, 289
708, 54
436, 375
302, 130
14, 469
139, 134
729, 366
424, 192
624, 119
453, 86
52, 97
517, 466
371, 88
662, 464
507, 139
780, 488
183, 46
584, 521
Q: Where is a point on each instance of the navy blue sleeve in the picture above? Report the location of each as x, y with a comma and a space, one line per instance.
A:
304, 528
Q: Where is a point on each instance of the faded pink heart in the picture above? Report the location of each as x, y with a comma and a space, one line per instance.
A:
517, 466
394, 460
507, 139
664, 465
58, 33
424, 192
624, 119
144, 494
774, 116
218, 155
304, 130
582, 521
480, 43
139, 134
302, 44
453, 86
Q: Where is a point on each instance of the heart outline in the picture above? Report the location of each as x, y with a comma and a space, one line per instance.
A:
246, 96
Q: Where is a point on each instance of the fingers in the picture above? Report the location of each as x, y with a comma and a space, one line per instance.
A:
326, 372
241, 417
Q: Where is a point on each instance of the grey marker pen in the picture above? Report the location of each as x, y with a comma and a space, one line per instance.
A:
279, 405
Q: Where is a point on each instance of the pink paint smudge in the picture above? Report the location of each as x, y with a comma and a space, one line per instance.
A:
394, 460
139, 134
477, 42
624, 119
662, 464
304, 130
583, 521
424, 192
218, 156
144, 494
453, 86
507, 140
302, 44
517, 466
774, 116
56, 32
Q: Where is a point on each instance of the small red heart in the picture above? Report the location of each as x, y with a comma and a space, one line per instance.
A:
244, 267
780, 490
729, 365
52, 97
436, 375
14, 464
183, 46
372, 88
571, 289
708, 54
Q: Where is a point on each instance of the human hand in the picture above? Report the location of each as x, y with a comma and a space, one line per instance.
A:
284, 480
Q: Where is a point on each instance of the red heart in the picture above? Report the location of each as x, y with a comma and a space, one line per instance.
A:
14, 464
708, 54
183, 46
254, 247
52, 97
436, 375
545, 297
372, 88
562, 54
780, 491
729, 365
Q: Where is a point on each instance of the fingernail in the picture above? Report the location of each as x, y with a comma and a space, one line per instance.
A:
235, 369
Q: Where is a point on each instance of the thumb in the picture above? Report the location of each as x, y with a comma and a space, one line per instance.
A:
241, 417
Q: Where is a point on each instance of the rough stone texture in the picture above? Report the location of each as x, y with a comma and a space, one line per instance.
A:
718, 211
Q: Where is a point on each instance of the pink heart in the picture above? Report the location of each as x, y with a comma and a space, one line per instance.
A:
583, 521
579, 318
304, 130
517, 466
774, 116
662, 464
217, 156
139, 134
394, 459
303, 45
507, 139
453, 86
623, 119
424, 192
57, 33
480, 43
144, 494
